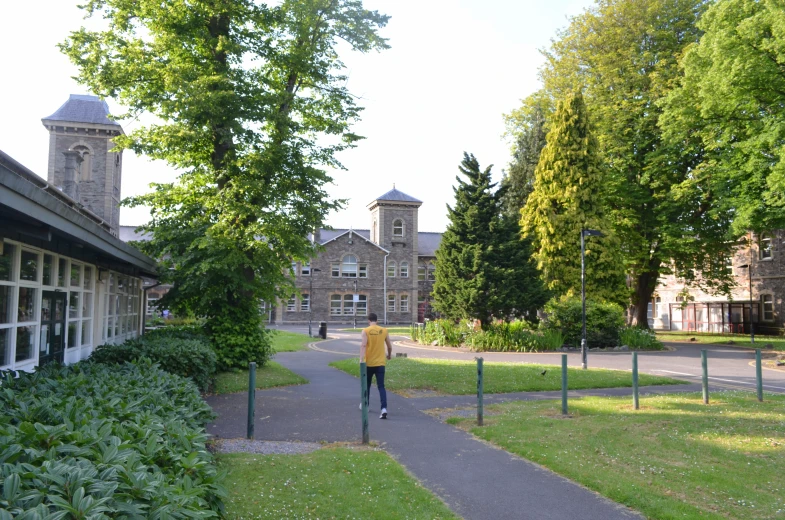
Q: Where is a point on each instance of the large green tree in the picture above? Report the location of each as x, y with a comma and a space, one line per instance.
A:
483, 268
251, 106
732, 98
625, 55
568, 196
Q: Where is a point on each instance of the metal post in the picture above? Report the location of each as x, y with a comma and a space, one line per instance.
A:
564, 384
752, 322
584, 363
705, 368
354, 304
759, 374
251, 397
635, 402
364, 397
310, 302
479, 391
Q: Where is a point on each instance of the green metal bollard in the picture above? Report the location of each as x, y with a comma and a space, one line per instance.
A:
635, 401
251, 397
479, 391
564, 384
364, 397
759, 374
705, 368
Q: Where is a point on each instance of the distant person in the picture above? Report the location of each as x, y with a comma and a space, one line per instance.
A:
166, 314
374, 339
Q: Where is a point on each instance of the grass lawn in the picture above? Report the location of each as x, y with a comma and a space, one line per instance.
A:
392, 330
674, 458
739, 340
268, 376
460, 377
328, 483
290, 341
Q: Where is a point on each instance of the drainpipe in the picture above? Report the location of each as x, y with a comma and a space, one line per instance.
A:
384, 301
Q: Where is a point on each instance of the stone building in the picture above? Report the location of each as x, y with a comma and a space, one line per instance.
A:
758, 305
387, 269
67, 283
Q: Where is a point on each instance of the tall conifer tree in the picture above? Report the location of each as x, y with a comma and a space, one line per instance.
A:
519, 182
483, 268
568, 197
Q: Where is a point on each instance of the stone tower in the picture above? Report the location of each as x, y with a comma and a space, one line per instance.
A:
394, 226
82, 162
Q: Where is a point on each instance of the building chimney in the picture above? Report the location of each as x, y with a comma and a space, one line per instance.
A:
70, 185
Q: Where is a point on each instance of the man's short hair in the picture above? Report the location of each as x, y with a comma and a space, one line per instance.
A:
373, 317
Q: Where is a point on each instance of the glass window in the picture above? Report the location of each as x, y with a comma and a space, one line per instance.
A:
73, 304
109, 328
6, 304
348, 304
305, 302
25, 343
111, 282
88, 278
151, 306
306, 270
335, 305
398, 228
362, 306
5, 347
767, 302
294, 268
26, 304
87, 305
431, 272
390, 303
62, 267
336, 269
7, 256
86, 331
28, 269
49, 267
404, 270
404, 303
349, 266
421, 273
76, 275
391, 270
765, 246
363, 271
73, 328
291, 305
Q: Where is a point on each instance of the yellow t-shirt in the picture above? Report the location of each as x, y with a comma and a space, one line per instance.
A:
375, 351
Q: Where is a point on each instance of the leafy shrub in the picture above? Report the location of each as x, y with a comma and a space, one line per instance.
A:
181, 351
123, 441
603, 321
550, 340
515, 336
239, 337
641, 339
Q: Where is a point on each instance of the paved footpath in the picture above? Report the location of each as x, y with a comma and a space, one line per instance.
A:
476, 480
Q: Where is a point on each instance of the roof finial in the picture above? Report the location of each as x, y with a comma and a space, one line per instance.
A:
393, 185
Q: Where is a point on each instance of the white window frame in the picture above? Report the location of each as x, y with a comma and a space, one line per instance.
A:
305, 302
291, 304
767, 300
422, 273
404, 303
391, 267
402, 227
306, 269
347, 273
404, 270
431, 272
391, 303
765, 249
362, 270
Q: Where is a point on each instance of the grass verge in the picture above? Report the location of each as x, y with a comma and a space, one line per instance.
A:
674, 458
460, 377
270, 375
284, 341
328, 483
738, 340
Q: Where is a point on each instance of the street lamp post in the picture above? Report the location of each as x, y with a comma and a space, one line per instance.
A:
310, 299
354, 304
585, 233
752, 323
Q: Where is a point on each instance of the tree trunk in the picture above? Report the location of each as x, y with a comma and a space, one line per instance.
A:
644, 291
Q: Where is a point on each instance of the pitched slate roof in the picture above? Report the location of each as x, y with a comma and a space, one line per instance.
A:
428, 243
83, 109
397, 196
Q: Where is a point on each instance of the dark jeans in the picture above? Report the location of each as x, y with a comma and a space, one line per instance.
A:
379, 372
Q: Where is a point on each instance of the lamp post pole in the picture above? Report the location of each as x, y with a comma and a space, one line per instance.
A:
354, 304
310, 299
584, 349
752, 323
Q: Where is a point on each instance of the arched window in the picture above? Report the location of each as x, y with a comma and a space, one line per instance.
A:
86, 167
398, 228
764, 246
431, 272
404, 270
349, 266
390, 269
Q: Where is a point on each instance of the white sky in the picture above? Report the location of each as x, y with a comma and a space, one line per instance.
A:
454, 68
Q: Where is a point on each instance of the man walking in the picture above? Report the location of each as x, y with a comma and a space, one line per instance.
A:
374, 339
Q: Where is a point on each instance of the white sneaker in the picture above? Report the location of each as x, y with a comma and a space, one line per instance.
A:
384, 414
